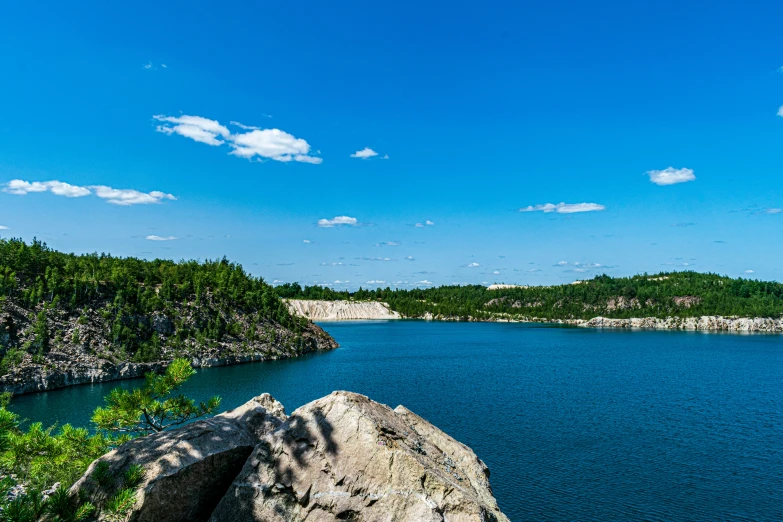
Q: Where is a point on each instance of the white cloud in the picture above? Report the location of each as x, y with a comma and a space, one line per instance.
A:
365, 153
780, 111
69, 191
750, 271
670, 176
272, 144
424, 282
496, 272
338, 220
196, 128
472, 265
122, 197
21, 188
389, 243
385, 156
160, 238
564, 208
410, 258
307, 241
375, 282
773, 211
127, 197
2, 227
147, 65
427, 223
562, 263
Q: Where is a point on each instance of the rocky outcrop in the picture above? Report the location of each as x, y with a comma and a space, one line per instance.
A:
342, 457
340, 310
81, 350
185, 471
706, 322
345, 457
621, 303
686, 301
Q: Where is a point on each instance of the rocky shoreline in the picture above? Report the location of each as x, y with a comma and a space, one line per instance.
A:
706, 323
709, 323
34, 379
374, 310
81, 349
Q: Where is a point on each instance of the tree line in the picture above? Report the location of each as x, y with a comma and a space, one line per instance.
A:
127, 292
668, 294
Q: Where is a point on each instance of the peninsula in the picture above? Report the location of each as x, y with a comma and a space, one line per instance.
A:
70, 319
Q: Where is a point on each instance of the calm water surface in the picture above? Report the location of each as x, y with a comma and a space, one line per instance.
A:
575, 424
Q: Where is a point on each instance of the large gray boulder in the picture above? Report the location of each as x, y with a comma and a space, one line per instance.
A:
187, 470
345, 457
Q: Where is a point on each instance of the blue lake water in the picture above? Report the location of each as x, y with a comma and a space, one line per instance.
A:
574, 424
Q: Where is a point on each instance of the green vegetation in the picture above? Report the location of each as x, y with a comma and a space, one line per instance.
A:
130, 309
674, 294
153, 408
51, 460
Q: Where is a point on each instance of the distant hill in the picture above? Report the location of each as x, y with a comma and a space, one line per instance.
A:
66, 319
668, 294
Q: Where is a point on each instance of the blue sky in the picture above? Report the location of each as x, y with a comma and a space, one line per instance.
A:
195, 131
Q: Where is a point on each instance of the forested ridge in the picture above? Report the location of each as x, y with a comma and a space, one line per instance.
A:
57, 307
668, 294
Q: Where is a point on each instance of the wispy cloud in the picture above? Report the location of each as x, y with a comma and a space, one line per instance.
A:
196, 128
273, 144
389, 243
671, 176
427, 223
472, 265
160, 238
122, 197
564, 208
410, 258
3, 227
375, 259
780, 111
149, 66
773, 211
750, 271
243, 126
365, 153
306, 241
375, 282
338, 221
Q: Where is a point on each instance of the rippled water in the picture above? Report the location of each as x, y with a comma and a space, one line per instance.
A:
575, 424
